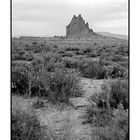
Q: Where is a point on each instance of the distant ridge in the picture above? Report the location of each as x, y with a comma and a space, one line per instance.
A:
118, 36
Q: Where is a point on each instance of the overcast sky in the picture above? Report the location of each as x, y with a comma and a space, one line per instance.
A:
50, 17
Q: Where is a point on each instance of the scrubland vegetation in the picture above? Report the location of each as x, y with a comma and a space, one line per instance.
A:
52, 70
108, 111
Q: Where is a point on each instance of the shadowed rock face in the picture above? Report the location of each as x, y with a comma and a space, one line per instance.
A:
78, 28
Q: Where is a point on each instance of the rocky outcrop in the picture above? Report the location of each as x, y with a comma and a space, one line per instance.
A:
78, 28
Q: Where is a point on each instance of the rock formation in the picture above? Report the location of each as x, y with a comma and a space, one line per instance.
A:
78, 28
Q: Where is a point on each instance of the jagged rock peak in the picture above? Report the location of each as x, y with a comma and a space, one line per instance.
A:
78, 27
74, 18
79, 16
87, 25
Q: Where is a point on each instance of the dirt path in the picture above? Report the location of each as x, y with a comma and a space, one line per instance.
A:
68, 121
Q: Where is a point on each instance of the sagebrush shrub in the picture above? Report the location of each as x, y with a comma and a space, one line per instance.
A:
74, 49
61, 85
27, 56
115, 71
121, 118
52, 62
116, 67
56, 82
19, 83
106, 126
20, 77
98, 117
119, 94
87, 50
17, 52
25, 126
90, 69
25, 72
114, 93
70, 62
122, 51
109, 110
38, 88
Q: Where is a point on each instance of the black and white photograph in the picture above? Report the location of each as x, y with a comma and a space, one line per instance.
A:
69, 70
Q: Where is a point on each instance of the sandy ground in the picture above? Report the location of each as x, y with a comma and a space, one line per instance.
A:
66, 121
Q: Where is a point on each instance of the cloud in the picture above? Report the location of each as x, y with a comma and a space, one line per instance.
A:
46, 9
35, 28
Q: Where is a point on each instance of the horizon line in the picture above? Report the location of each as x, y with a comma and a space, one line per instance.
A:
28, 35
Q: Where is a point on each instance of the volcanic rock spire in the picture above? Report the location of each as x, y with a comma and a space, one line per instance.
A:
78, 28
